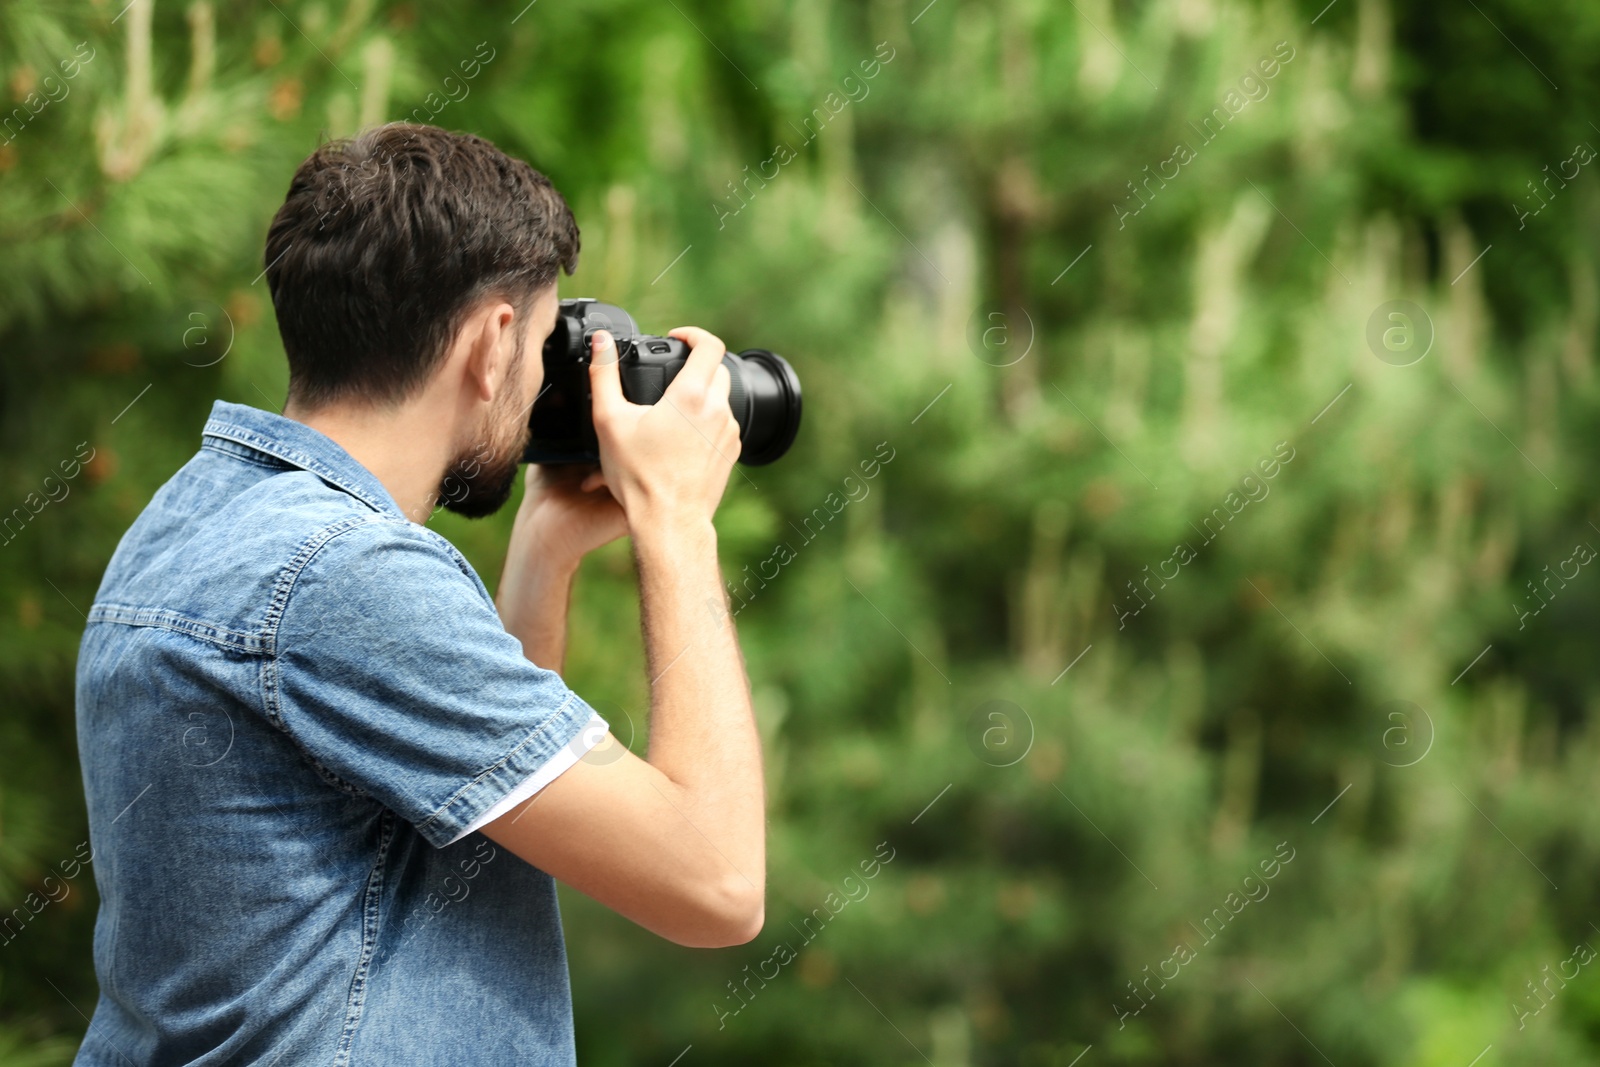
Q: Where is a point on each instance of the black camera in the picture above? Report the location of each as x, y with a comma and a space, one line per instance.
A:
764, 391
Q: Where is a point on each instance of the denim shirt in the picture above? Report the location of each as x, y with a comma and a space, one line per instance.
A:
291, 704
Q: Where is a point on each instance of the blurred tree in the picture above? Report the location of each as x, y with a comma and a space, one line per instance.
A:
1063, 279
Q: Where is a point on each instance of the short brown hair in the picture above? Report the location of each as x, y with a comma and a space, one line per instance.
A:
386, 240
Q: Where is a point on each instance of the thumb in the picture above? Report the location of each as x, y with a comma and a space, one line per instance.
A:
605, 380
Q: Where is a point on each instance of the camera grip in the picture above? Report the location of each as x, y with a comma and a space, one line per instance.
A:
644, 383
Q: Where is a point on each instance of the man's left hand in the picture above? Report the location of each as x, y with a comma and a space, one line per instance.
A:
566, 513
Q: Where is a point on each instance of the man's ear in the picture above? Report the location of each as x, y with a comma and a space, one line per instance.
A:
490, 345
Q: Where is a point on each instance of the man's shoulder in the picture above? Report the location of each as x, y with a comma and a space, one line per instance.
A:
344, 545
223, 543
333, 557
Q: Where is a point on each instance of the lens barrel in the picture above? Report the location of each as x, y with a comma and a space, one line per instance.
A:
772, 400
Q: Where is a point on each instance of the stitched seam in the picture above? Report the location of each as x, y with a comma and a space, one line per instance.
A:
269, 703
227, 432
481, 776
234, 450
369, 941
167, 619
291, 570
271, 687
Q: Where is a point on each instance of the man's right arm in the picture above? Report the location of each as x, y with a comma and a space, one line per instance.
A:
676, 842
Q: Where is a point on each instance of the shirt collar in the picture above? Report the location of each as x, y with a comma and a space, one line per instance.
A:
295, 443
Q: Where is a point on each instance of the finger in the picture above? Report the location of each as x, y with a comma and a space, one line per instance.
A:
596, 480
732, 442
605, 379
705, 354
721, 381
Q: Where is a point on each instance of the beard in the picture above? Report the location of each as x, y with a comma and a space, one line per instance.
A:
478, 482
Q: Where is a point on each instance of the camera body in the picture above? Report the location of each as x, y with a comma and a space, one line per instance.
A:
764, 391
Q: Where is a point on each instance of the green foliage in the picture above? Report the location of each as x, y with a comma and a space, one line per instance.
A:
1179, 331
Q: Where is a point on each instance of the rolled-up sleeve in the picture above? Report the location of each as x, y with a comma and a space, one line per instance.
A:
393, 673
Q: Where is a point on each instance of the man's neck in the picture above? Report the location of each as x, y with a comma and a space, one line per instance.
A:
402, 447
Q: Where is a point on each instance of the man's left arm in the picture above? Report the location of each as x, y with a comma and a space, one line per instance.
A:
566, 512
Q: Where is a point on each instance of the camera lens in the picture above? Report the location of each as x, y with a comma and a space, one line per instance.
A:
771, 409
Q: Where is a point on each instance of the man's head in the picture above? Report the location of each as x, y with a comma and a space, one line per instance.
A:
411, 263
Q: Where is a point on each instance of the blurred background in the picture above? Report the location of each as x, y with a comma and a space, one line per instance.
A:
1199, 669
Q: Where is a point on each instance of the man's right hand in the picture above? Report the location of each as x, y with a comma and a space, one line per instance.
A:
666, 463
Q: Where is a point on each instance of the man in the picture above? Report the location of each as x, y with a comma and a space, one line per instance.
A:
330, 786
